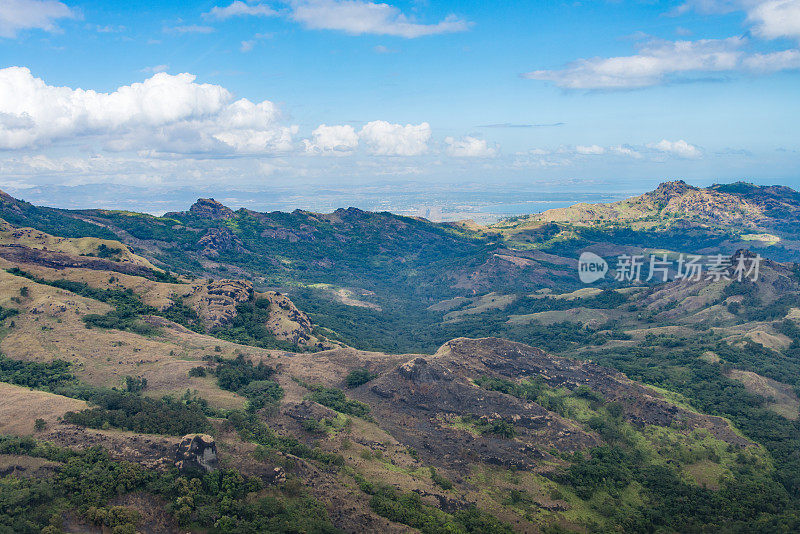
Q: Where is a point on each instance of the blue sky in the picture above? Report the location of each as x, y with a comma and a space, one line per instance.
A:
251, 94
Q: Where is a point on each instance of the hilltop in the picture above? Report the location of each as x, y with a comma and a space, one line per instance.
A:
755, 208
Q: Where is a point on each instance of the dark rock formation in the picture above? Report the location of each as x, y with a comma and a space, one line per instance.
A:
220, 239
208, 208
196, 453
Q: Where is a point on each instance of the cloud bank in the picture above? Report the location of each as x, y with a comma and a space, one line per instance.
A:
660, 62
240, 9
356, 17
469, 147
163, 113
768, 19
16, 15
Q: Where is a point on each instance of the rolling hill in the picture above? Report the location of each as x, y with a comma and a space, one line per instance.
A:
232, 371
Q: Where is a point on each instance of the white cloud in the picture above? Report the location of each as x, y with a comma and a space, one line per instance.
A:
770, 19
591, 150
469, 147
661, 62
708, 7
16, 15
654, 64
386, 139
155, 68
624, 150
774, 61
678, 148
239, 9
332, 139
380, 49
164, 113
249, 44
192, 28
776, 18
359, 17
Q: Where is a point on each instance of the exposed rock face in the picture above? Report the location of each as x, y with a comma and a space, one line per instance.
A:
303, 232
419, 371
196, 452
286, 321
307, 409
740, 205
422, 403
220, 239
668, 190
642, 406
208, 208
152, 452
216, 301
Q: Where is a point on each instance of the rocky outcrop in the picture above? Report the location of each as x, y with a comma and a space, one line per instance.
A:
196, 452
307, 409
208, 208
642, 405
218, 240
216, 301
422, 403
286, 321
432, 404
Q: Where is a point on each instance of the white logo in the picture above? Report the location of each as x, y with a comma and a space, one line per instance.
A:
591, 267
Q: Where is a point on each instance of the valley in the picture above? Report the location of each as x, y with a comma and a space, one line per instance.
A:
362, 372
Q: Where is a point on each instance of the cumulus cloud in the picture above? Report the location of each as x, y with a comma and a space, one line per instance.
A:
624, 150
359, 17
169, 113
591, 150
661, 62
776, 18
385, 139
678, 148
239, 9
469, 147
770, 19
16, 15
774, 61
332, 139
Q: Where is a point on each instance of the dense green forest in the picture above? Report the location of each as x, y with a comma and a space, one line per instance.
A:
86, 481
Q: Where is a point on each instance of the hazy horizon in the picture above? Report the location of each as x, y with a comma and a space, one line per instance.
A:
484, 203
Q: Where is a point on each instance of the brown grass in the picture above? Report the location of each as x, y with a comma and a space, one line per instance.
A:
22, 406
783, 399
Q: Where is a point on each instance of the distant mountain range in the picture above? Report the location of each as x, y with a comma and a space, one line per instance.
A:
742, 205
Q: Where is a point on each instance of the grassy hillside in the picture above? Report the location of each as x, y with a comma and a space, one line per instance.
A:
108, 365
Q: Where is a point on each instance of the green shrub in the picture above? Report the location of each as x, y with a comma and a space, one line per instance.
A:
335, 399
358, 377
